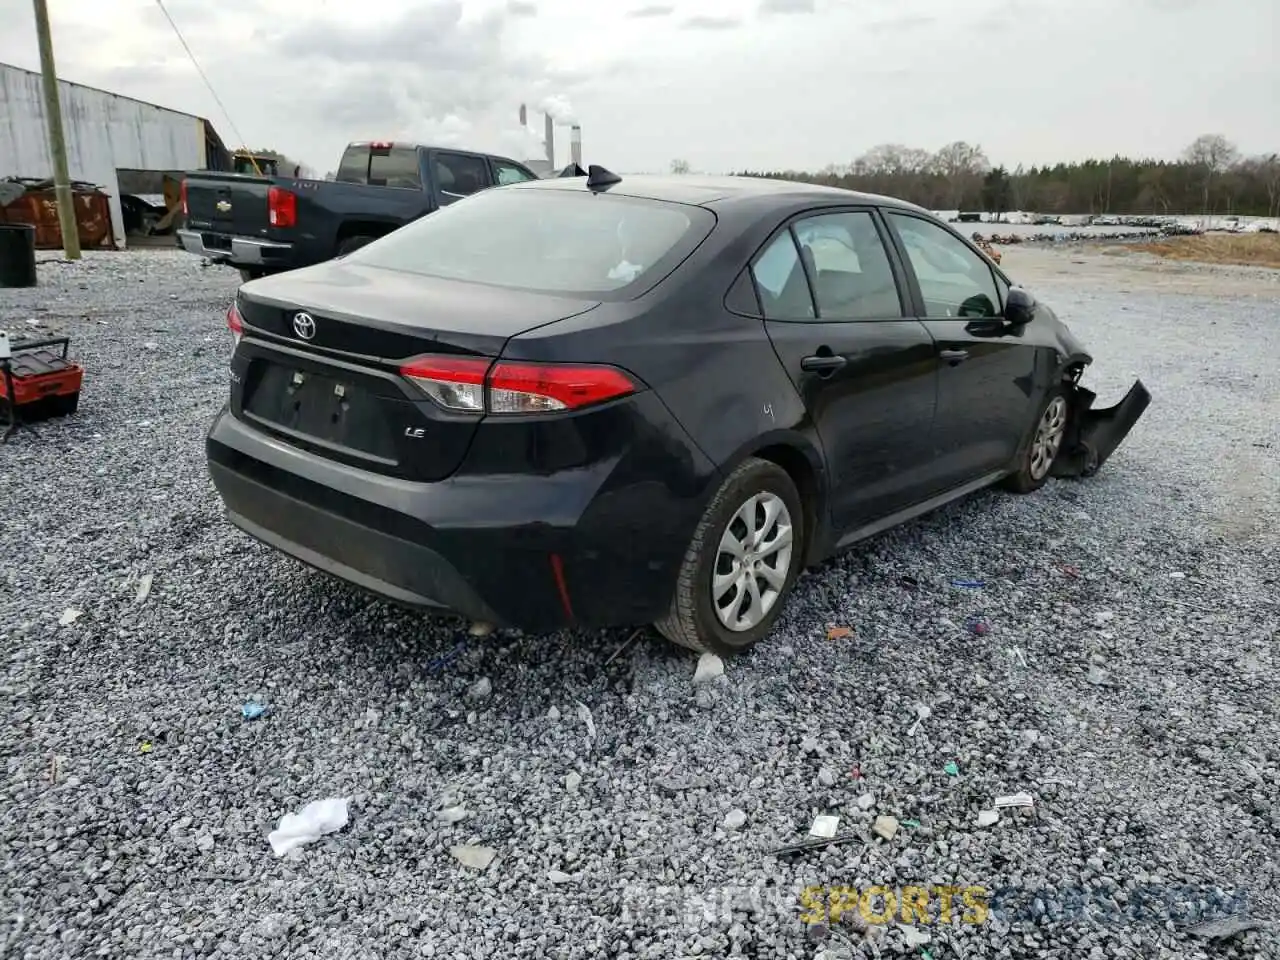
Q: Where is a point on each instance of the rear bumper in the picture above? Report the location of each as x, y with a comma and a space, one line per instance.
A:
238, 251
527, 551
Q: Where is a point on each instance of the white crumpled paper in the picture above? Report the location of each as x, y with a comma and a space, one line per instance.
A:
310, 823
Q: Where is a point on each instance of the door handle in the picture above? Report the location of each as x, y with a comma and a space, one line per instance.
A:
954, 356
823, 363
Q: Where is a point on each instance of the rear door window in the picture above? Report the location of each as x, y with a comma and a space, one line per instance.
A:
459, 175
354, 167
550, 241
849, 267
395, 167
510, 173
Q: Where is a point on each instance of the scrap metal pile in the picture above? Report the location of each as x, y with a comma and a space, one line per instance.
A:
985, 241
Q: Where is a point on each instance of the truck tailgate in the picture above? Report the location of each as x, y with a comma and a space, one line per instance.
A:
230, 203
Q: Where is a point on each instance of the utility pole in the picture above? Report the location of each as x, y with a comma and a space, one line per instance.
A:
57, 142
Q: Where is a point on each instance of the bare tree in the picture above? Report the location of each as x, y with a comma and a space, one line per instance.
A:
1018, 188
962, 165
1214, 154
1268, 171
680, 166
1153, 190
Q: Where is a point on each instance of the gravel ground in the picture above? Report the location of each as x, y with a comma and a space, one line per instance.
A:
1127, 682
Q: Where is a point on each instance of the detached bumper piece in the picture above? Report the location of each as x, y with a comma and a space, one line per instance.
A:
1093, 435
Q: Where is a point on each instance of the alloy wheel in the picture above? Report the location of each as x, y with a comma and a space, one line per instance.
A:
752, 562
1048, 438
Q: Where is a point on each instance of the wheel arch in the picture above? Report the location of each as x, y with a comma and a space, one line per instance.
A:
803, 463
1071, 367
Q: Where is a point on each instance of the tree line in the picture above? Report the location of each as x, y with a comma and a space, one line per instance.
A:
1211, 177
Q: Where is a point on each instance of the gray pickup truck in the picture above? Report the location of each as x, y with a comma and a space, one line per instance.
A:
269, 224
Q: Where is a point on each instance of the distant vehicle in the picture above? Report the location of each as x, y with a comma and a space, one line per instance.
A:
267, 224
258, 164
641, 400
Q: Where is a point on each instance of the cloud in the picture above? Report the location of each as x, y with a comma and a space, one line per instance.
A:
522, 8
432, 73
652, 10
711, 23
899, 23
559, 108
431, 36
787, 6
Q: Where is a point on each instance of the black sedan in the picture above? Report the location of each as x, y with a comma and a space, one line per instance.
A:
597, 401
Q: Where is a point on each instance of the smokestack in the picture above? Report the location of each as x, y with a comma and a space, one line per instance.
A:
551, 141
575, 144
524, 116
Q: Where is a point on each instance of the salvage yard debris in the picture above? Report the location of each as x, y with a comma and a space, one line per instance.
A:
473, 856
709, 668
824, 826
315, 820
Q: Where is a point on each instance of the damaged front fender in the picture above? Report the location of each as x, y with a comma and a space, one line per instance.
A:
1093, 435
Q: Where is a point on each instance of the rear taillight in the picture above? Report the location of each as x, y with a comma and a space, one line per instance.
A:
182, 192
483, 386
282, 207
236, 325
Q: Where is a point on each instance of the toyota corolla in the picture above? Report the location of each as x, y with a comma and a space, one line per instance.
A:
596, 401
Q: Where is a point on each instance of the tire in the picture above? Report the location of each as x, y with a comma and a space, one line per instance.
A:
1032, 469
693, 620
351, 244
251, 273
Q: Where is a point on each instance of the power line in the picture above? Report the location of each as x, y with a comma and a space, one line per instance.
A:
200, 70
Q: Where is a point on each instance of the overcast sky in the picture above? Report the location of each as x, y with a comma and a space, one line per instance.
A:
725, 84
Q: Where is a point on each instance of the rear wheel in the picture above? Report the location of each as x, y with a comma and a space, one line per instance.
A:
745, 556
1036, 460
351, 244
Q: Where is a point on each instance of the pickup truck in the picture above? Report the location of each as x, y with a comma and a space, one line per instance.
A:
270, 224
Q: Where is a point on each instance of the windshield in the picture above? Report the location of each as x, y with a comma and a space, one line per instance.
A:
550, 241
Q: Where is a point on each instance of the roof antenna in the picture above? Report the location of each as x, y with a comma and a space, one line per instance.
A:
572, 170
598, 178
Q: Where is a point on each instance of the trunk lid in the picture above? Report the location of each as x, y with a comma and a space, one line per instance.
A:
339, 392
229, 203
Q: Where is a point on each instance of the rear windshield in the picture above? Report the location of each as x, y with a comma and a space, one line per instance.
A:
550, 241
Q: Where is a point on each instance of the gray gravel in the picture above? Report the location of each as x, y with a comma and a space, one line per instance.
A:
1127, 682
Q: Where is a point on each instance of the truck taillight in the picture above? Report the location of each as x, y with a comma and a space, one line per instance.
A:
282, 207
183, 193
236, 325
468, 384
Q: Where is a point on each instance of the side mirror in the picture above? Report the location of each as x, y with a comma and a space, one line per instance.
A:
1019, 307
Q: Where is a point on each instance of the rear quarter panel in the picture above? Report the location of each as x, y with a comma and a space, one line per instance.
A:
715, 371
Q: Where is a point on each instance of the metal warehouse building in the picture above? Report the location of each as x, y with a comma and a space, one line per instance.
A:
110, 139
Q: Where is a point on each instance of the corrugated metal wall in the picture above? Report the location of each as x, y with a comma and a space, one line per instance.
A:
103, 132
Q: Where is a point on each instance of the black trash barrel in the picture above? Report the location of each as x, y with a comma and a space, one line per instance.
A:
17, 255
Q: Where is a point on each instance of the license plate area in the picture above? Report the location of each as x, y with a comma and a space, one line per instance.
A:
330, 411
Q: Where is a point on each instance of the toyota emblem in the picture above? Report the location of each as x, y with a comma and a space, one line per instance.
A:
304, 325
